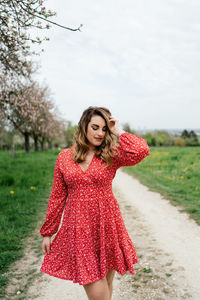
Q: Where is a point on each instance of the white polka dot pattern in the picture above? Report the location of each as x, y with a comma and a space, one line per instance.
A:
92, 238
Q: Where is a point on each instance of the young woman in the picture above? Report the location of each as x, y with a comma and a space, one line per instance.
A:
92, 242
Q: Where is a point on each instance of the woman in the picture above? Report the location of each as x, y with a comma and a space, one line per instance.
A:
92, 242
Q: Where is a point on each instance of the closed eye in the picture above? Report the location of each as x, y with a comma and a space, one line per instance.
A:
104, 129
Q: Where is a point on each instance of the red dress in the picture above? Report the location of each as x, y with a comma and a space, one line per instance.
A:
92, 238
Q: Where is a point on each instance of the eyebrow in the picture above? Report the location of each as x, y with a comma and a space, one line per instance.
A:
98, 125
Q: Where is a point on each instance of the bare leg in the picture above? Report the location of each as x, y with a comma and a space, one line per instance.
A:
98, 290
110, 276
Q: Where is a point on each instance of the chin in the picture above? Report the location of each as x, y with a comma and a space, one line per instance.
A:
98, 143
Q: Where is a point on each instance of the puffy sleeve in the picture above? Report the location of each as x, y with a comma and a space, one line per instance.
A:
131, 150
56, 203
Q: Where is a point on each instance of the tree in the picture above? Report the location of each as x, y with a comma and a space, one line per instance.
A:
185, 134
50, 127
179, 141
194, 136
5, 134
17, 108
28, 109
162, 138
69, 133
149, 139
127, 127
16, 18
190, 138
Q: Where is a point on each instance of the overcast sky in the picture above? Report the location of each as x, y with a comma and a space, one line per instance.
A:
141, 59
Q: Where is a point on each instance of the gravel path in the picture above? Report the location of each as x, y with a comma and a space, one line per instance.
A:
167, 244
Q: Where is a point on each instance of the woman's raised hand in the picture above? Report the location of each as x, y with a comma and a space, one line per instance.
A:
46, 244
115, 127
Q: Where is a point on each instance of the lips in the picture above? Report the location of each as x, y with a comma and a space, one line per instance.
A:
98, 139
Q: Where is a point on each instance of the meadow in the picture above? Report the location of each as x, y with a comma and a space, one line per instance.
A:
174, 172
26, 181
25, 184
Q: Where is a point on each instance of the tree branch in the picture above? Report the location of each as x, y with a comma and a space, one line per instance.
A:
54, 23
18, 21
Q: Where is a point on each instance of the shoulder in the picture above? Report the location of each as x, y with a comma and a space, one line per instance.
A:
62, 155
63, 158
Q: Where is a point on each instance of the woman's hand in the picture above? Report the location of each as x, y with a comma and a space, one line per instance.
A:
46, 244
115, 127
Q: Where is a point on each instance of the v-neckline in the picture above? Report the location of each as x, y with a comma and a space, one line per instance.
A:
84, 172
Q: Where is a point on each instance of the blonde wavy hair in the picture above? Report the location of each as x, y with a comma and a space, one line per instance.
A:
80, 145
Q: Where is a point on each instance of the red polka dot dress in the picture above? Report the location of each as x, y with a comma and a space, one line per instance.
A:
92, 238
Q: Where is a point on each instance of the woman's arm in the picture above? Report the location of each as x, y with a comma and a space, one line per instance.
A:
131, 150
56, 203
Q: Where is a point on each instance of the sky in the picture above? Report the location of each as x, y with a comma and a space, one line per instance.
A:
140, 59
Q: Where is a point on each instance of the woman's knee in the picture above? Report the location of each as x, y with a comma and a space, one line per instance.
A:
98, 290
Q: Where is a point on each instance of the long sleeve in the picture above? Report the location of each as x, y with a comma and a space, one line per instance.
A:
56, 203
131, 150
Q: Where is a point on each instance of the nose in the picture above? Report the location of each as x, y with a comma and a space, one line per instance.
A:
100, 133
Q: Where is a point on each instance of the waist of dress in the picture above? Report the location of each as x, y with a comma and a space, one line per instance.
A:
90, 193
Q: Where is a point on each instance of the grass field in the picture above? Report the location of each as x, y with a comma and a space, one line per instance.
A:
175, 173
25, 184
26, 180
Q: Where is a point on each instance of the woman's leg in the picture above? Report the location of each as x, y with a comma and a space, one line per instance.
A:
110, 276
97, 290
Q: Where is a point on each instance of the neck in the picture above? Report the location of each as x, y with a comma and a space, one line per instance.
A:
92, 149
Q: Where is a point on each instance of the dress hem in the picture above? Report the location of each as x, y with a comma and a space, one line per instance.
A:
82, 283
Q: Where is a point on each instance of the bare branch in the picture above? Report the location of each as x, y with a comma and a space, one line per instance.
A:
54, 23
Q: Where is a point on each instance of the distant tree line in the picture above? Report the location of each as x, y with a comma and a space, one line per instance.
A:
63, 138
164, 138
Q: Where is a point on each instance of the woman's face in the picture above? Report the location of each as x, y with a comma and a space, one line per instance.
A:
96, 131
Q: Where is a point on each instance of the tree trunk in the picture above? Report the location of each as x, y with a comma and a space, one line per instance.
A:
49, 145
35, 142
13, 150
27, 144
42, 144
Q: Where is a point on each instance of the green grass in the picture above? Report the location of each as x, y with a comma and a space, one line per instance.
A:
174, 172
25, 184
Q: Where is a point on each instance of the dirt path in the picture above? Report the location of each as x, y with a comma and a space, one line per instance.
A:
167, 243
